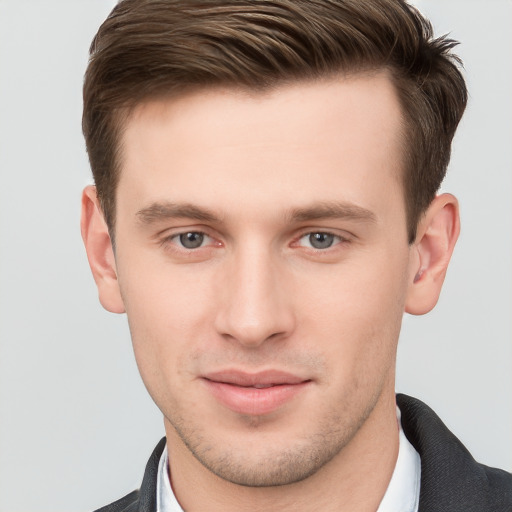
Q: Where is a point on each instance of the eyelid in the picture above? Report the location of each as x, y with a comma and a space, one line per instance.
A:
341, 234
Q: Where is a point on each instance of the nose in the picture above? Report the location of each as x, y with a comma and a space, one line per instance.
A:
254, 304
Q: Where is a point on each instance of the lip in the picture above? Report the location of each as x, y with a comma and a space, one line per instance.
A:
254, 393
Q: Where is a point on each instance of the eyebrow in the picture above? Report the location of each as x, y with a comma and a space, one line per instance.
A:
332, 210
325, 210
164, 211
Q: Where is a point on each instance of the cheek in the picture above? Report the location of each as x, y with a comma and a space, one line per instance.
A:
168, 311
357, 312
162, 296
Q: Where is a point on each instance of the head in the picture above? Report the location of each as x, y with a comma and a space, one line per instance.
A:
268, 171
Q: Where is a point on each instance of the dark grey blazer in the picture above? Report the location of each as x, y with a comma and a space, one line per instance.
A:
451, 480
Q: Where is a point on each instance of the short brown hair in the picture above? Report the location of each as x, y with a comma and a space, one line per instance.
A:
149, 48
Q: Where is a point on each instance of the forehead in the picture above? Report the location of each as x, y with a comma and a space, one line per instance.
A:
314, 140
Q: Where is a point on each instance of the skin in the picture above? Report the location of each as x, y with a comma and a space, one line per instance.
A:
257, 175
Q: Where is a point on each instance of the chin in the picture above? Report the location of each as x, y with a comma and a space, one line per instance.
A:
265, 458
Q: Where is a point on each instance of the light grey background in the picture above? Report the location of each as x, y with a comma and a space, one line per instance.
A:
76, 425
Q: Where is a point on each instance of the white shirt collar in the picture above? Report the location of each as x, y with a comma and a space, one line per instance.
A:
165, 499
402, 494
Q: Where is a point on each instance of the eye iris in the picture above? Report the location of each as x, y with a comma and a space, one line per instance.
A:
321, 240
191, 240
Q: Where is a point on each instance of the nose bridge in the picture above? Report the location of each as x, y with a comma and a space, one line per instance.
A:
254, 304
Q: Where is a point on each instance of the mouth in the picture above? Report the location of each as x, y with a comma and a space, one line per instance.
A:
255, 393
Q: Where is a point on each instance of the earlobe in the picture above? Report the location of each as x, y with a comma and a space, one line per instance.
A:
436, 237
100, 252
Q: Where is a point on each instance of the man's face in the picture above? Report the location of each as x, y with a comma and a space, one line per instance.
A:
263, 262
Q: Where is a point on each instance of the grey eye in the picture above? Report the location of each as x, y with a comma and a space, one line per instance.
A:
321, 240
192, 239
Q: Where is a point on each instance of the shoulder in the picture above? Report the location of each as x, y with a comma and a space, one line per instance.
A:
145, 497
499, 484
451, 479
128, 503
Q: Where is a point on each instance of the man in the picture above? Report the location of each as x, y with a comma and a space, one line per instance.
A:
265, 211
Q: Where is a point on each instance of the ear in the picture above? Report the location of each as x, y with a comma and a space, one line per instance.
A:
437, 233
100, 252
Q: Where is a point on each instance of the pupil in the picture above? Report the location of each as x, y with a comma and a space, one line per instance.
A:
321, 240
191, 240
